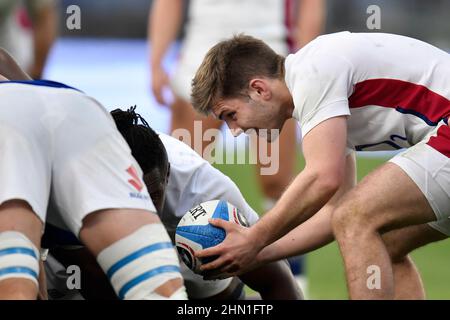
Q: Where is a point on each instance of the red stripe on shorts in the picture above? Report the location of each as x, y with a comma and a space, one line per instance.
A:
441, 142
392, 93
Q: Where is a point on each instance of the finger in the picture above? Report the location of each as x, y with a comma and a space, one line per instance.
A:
213, 251
220, 223
215, 264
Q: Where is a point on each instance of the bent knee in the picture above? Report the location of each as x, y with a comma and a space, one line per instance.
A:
394, 248
349, 219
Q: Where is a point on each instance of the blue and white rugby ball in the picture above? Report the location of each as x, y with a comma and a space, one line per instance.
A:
194, 232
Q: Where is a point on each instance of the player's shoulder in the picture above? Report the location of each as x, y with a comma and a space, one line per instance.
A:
341, 44
180, 154
323, 49
320, 62
176, 146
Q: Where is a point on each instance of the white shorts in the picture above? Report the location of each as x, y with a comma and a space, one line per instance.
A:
59, 145
428, 165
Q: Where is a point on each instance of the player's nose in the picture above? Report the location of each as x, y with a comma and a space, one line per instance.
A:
236, 131
234, 128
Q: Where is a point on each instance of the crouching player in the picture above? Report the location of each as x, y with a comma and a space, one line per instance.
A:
60, 148
190, 181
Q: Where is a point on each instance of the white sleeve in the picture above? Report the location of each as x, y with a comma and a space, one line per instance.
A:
211, 184
320, 85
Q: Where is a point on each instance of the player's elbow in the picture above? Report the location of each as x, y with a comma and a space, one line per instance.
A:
329, 181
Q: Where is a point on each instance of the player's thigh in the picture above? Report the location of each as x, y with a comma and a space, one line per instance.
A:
17, 215
104, 227
385, 199
400, 242
428, 165
25, 152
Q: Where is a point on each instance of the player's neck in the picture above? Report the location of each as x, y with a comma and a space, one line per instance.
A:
287, 103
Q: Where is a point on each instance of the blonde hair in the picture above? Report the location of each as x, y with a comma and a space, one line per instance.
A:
229, 66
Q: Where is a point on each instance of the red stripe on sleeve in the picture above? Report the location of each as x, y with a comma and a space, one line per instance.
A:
392, 93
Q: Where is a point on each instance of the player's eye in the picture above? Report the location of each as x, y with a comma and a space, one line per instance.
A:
231, 115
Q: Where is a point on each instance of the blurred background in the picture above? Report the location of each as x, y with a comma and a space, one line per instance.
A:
108, 58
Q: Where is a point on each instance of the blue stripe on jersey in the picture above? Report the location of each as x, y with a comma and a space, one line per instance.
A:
18, 250
136, 255
44, 83
418, 114
145, 276
25, 270
388, 142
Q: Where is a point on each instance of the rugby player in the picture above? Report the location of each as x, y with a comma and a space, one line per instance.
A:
349, 91
61, 149
189, 181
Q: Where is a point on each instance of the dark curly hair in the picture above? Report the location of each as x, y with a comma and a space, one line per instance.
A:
145, 144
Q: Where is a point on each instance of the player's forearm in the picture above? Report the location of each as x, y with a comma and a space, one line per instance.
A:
310, 21
314, 233
9, 67
163, 26
45, 26
310, 191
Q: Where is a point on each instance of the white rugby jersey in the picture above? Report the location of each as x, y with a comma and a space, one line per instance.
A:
193, 180
394, 89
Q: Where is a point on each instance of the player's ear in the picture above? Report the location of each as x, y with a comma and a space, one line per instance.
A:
259, 89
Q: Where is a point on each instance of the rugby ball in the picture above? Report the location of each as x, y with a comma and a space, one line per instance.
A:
194, 232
